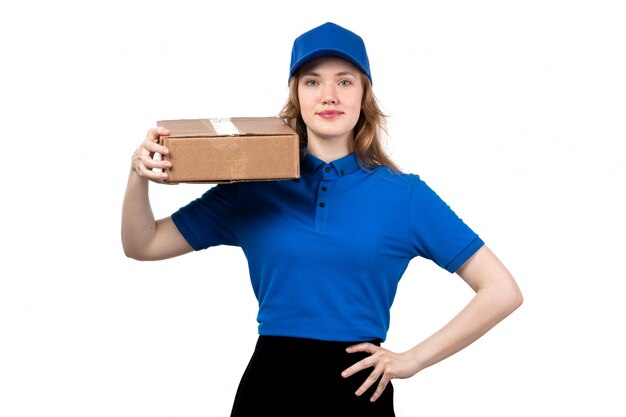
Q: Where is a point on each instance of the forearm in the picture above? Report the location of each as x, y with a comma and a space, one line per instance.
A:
138, 223
488, 307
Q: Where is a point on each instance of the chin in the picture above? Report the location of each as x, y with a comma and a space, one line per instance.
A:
331, 132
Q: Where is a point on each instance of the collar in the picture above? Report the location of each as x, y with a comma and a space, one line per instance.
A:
344, 166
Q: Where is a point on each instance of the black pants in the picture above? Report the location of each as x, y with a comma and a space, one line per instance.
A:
302, 377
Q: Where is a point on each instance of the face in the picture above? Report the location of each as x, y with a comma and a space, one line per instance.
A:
330, 92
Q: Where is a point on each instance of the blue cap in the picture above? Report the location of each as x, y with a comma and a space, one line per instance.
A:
329, 39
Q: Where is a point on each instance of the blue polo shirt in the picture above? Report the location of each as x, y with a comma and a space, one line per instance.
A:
326, 251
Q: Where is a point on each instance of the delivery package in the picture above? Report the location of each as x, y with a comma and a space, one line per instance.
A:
222, 150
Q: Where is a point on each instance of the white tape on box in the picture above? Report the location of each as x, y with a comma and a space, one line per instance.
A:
157, 157
223, 126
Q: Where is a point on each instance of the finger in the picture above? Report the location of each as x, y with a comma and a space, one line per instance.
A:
369, 381
155, 132
359, 366
380, 389
364, 363
146, 167
155, 147
363, 347
150, 163
153, 175
152, 140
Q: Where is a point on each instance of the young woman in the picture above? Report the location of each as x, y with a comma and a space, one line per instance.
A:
326, 251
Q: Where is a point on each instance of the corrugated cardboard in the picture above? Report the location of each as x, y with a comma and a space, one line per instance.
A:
260, 148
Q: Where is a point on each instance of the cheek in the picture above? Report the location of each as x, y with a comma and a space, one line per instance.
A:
306, 97
308, 104
355, 105
305, 102
353, 100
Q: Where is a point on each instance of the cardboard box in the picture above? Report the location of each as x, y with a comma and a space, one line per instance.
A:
231, 149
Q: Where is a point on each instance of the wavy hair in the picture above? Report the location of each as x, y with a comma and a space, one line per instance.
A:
367, 141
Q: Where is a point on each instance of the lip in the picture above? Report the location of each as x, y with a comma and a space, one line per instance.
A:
329, 114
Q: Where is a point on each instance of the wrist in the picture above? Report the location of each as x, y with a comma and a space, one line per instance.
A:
135, 178
419, 358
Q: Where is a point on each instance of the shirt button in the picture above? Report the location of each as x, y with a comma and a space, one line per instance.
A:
324, 188
322, 204
327, 169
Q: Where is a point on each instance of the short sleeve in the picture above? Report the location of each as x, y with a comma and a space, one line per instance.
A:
436, 232
209, 220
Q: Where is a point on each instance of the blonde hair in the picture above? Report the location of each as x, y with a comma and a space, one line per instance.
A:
368, 131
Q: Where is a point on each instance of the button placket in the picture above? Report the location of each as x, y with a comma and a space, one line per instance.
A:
323, 192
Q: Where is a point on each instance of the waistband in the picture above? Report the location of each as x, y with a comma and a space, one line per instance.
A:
305, 343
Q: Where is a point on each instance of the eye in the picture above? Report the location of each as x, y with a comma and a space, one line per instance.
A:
310, 83
345, 82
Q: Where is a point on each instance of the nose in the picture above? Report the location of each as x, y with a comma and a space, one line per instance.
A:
329, 95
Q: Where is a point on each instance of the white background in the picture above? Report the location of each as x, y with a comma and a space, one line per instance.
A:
514, 112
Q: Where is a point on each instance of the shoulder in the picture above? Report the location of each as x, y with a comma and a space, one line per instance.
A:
397, 178
221, 189
410, 183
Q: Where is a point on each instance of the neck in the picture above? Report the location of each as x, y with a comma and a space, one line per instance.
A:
328, 150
